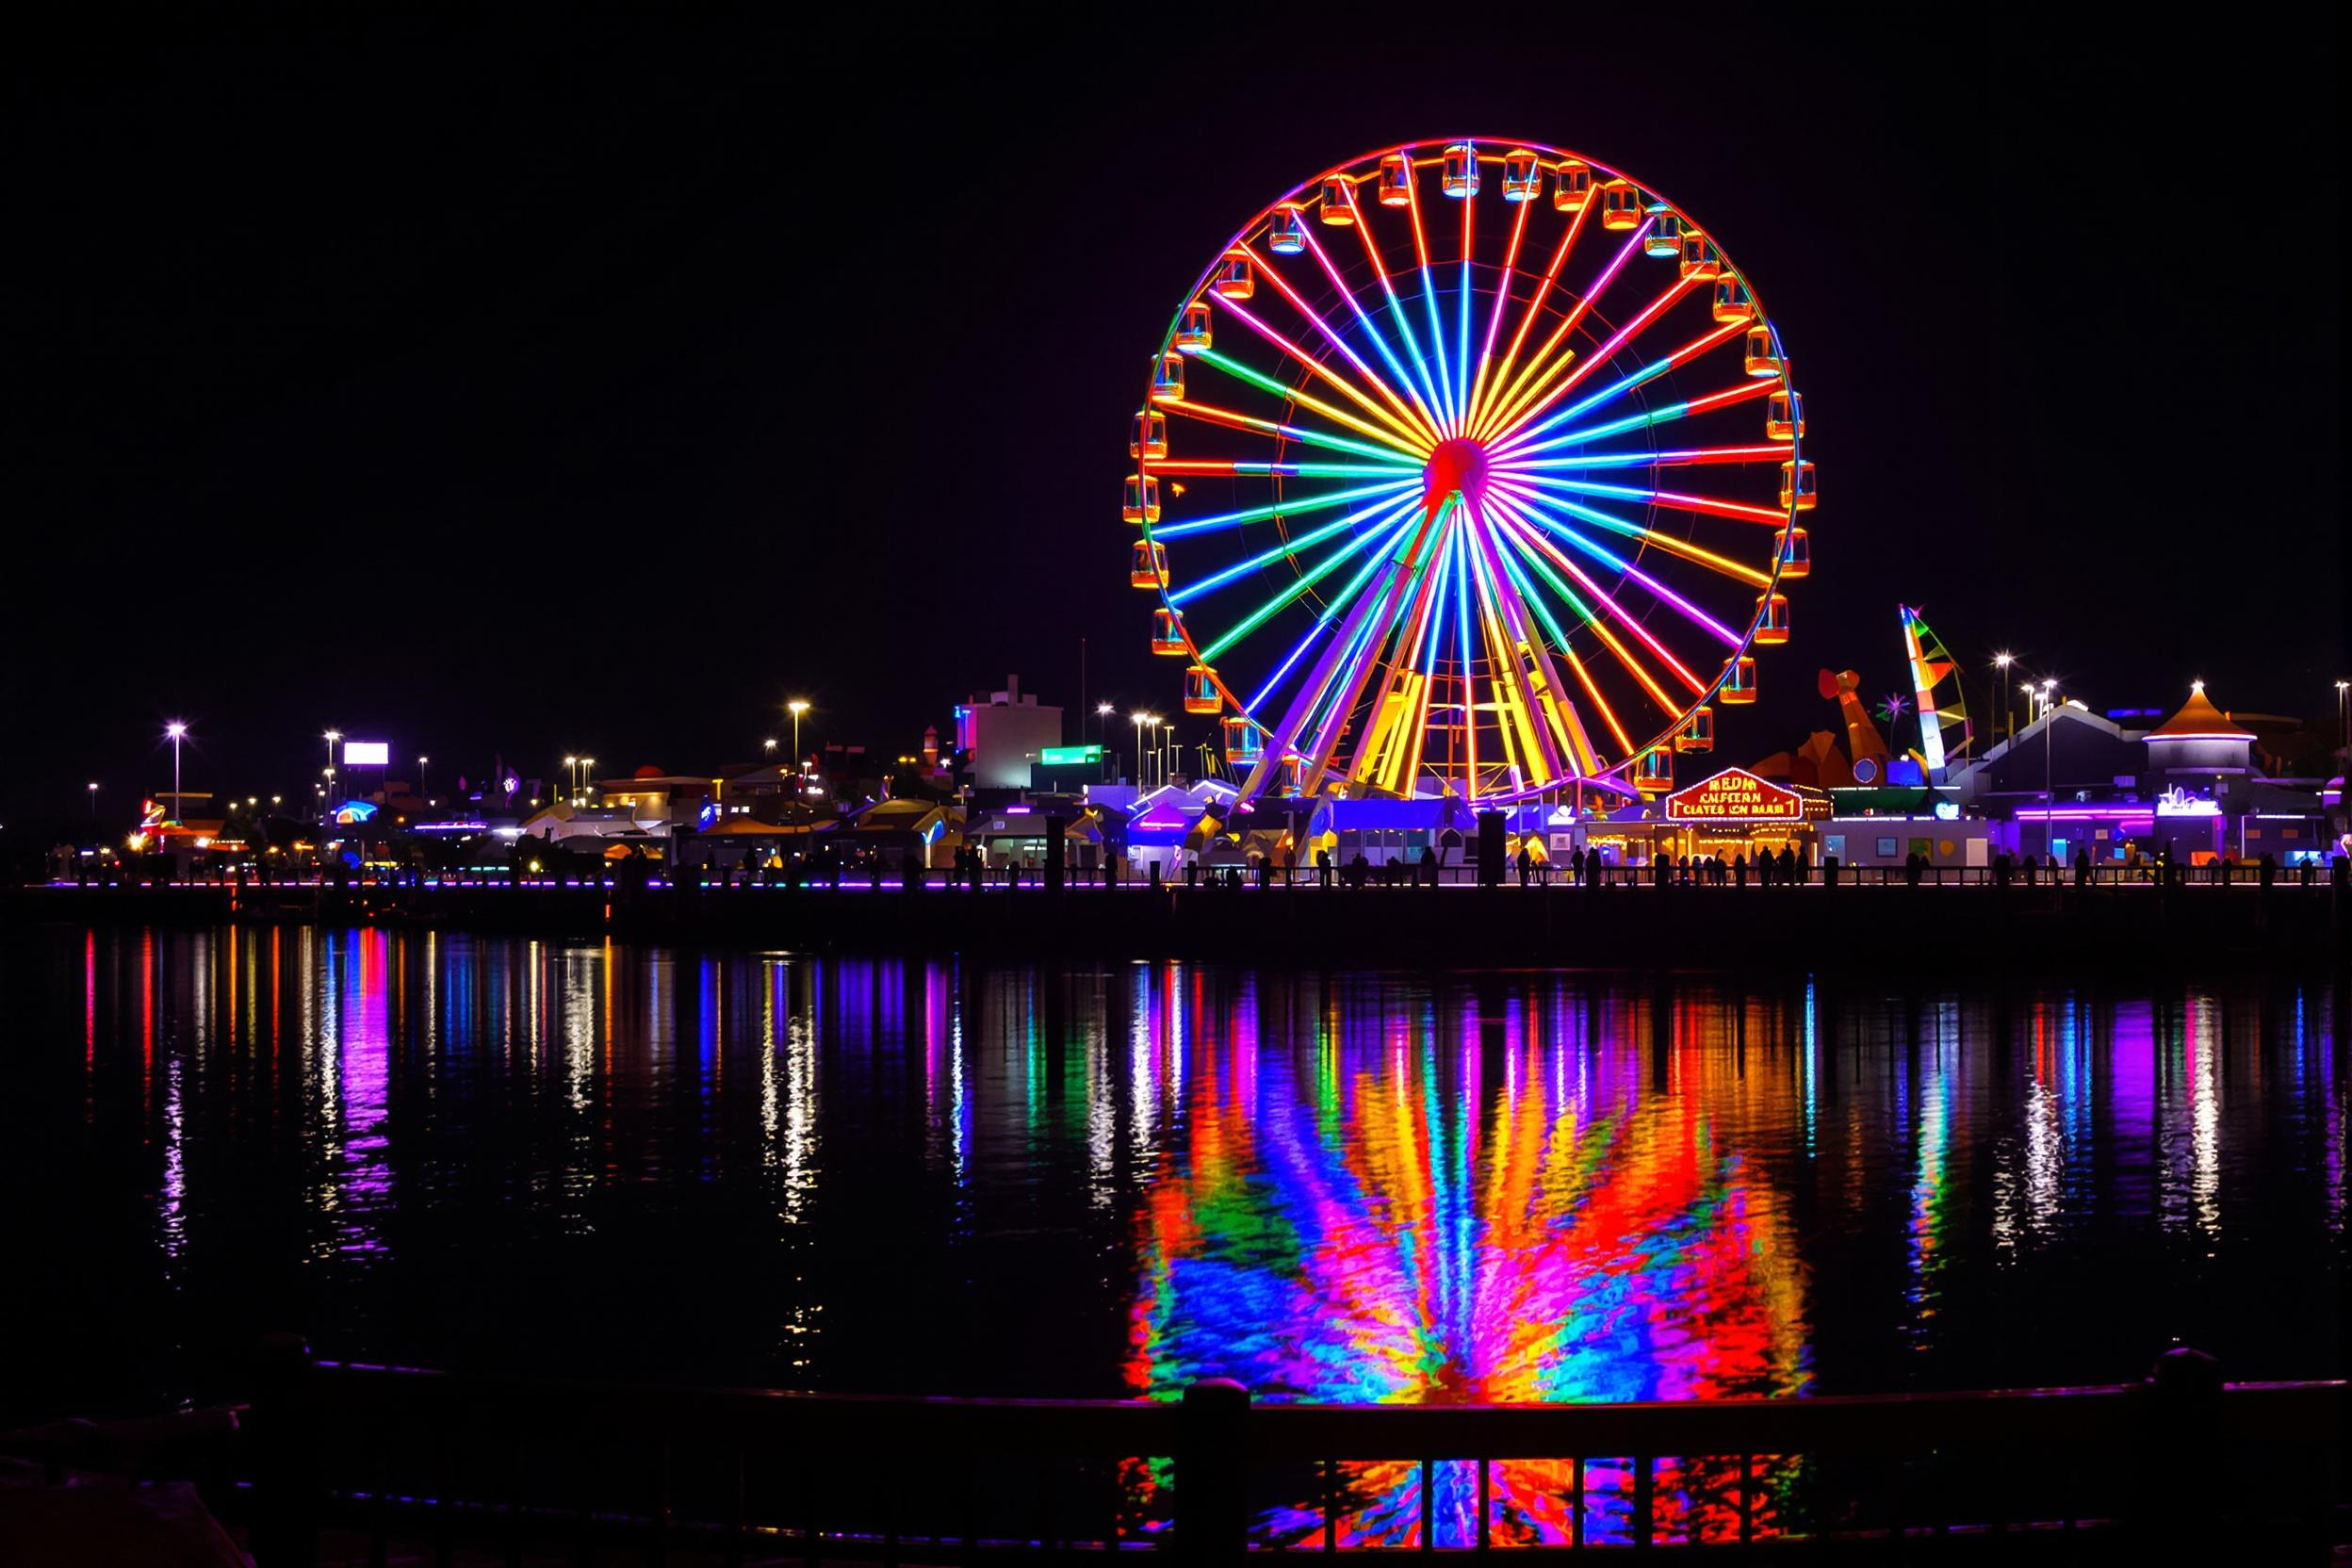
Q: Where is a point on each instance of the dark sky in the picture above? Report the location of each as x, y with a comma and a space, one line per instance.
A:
540, 386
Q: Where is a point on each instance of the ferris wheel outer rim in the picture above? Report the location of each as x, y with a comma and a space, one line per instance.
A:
1501, 148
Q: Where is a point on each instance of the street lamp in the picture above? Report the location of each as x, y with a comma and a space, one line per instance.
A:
768, 745
93, 801
1141, 719
2000, 667
2343, 724
178, 732
420, 781
2049, 694
571, 780
796, 707
586, 767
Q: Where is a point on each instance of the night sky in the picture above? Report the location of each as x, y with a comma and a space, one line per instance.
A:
544, 386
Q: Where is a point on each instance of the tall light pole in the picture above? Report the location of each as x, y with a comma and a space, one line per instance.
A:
797, 707
178, 732
2000, 681
421, 793
2050, 716
2343, 724
587, 777
93, 801
1141, 719
571, 781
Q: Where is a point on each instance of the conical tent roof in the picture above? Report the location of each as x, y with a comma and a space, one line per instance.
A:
2201, 718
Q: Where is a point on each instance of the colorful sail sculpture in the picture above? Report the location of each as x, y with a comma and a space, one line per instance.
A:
1935, 677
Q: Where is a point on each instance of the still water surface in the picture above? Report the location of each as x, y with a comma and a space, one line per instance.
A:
600, 1160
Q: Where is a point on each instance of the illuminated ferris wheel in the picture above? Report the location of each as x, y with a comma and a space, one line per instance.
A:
1473, 462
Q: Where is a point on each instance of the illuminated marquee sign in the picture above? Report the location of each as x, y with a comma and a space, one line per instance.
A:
366, 754
2178, 801
1057, 757
1735, 796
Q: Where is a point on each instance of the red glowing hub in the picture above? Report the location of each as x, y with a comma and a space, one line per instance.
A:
1456, 465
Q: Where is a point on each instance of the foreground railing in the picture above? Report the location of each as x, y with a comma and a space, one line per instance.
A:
423, 1459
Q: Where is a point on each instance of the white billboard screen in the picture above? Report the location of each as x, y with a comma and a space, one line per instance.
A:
366, 754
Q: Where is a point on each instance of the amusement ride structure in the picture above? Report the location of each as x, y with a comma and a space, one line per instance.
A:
1471, 467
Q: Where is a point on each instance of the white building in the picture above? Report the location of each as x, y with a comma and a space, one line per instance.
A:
1004, 733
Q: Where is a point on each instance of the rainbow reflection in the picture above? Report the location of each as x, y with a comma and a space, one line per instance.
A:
1494, 1204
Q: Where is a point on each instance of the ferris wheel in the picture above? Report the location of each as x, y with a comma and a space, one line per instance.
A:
1477, 463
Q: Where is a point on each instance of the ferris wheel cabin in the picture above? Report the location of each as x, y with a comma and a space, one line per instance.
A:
1784, 416
1572, 186
1621, 205
1395, 181
1244, 744
1654, 771
1200, 693
1286, 231
1142, 504
1149, 436
1700, 259
1339, 207
1147, 564
1732, 301
1796, 553
1192, 332
1234, 279
1522, 178
1459, 177
1698, 731
1168, 634
1739, 687
1763, 355
1664, 240
1796, 485
1771, 620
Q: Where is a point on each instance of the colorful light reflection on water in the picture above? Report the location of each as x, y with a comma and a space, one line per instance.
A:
1343, 1187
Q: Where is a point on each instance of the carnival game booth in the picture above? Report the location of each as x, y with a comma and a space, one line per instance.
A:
1737, 814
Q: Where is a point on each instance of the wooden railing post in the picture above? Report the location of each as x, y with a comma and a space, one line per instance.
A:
284, 1450
2182, 1438
1213, 1474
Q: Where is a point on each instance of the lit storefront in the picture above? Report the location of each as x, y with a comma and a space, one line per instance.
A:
1737, 814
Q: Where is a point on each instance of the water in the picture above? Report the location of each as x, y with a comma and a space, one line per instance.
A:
874, 1175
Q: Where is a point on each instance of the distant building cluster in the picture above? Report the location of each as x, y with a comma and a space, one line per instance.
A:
2117, 789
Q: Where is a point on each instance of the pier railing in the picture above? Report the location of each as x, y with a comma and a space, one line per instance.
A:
405, 1459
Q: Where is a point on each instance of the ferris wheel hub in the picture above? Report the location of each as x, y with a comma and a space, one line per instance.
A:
1457, 465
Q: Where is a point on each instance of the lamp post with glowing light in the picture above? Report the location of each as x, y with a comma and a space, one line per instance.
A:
2343, 725
93, 801
178, 732
421, 794
1141, 719
2000, 680
797, 707
2050, 714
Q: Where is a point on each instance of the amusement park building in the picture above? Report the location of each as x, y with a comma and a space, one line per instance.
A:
1004, 733
2074, 781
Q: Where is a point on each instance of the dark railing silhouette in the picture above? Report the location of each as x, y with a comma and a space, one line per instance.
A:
431, 1461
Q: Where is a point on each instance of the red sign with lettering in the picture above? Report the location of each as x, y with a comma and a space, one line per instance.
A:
1735, 796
